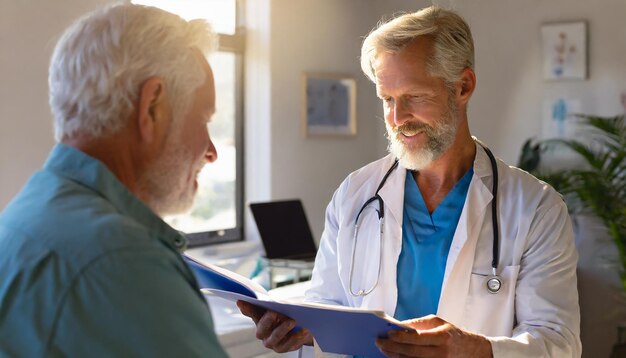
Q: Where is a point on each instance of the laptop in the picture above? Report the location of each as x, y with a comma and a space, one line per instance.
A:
284, 230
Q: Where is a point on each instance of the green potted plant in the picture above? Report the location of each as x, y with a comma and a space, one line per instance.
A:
598, 186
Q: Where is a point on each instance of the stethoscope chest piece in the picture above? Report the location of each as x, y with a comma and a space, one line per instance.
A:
494, 284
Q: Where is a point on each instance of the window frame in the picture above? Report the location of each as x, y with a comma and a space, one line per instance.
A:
234, 44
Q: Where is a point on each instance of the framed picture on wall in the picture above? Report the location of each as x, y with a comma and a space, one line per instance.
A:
564, 50
328, 105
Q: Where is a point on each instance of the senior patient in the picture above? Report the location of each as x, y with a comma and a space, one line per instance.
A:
87, 266
476, 256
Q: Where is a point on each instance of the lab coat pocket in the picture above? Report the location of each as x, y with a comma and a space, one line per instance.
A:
492, 314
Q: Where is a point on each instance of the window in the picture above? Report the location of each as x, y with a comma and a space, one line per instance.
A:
217, 214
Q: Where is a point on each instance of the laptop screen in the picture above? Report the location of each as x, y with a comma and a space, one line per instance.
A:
284, 229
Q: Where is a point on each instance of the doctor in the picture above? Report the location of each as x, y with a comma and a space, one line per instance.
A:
418, 238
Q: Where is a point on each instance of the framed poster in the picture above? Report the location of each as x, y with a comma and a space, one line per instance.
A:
329, 105
564, 50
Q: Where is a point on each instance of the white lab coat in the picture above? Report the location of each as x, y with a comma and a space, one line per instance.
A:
536, 313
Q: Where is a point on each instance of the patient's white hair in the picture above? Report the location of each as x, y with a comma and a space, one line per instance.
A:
452, 42
101, 61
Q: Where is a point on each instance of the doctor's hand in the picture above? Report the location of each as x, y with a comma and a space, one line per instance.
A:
434, 337
275, 329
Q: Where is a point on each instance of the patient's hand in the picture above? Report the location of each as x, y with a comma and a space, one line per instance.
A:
275, 329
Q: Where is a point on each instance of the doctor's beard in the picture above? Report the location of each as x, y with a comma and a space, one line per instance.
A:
440, 137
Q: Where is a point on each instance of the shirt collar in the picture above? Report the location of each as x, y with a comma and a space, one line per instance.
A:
78, 166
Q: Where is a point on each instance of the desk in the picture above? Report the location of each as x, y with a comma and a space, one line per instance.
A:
292, 271
236, 332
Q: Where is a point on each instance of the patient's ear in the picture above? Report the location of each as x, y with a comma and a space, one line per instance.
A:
151, 109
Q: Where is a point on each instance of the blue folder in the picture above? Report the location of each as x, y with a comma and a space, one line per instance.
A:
336, 329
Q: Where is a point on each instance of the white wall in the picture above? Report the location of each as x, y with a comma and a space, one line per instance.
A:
28, 33
313, 168
306, 36
507, 107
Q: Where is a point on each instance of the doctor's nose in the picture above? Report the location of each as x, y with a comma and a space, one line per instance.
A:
401, 114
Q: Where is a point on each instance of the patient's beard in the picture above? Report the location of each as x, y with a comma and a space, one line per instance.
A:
167, 183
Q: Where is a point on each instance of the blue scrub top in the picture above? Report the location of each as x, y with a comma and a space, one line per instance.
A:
426, 240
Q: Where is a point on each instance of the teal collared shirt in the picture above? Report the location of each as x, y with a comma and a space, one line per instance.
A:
87, 270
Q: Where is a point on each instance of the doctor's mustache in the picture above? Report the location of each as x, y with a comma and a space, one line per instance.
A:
411, 128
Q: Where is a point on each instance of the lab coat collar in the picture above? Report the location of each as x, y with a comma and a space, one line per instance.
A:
456, 278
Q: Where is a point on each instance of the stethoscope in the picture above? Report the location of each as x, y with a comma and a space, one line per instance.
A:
493, 283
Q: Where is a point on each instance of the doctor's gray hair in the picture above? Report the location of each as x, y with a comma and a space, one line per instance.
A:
101, 61
453, 46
